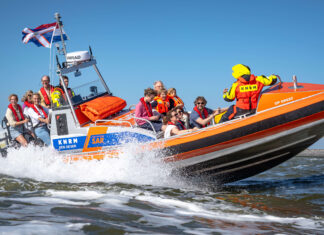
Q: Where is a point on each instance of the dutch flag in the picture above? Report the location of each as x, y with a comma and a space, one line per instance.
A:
42, 35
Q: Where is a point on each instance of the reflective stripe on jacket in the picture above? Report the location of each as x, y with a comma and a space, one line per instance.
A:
247, 89
162, 105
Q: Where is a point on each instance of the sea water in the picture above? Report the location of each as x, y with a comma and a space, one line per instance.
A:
40, 193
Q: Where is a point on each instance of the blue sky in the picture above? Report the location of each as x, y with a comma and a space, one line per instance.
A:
190, 45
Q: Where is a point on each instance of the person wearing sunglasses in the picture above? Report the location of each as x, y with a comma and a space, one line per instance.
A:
183, 122
171, 129
27, 100
201, 116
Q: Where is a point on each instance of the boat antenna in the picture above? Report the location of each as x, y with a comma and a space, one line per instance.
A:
60, 24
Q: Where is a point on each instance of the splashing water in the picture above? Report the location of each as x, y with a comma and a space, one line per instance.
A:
47, 165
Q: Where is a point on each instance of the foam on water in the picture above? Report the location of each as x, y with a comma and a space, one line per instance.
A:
47, 165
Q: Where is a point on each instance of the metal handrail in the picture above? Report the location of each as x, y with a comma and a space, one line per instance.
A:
142, 119
116, 121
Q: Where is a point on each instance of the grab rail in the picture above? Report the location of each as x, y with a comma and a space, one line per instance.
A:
116, 121
142, 119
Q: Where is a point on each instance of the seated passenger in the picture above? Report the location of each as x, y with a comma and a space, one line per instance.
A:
143, 110
27, 99
171, 120
246, 90
175, 101
163, 103
16, 120
158, 86
28, 103
39, 117
46, 91
201, 116
183, 122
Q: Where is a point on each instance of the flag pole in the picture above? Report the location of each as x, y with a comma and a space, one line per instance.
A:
59, 22
50, 64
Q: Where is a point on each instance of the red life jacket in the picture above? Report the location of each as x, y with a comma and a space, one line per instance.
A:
171, 123
44, 93
28, 104
247, 92
41, 108
176, 100
163, 105
10, 106
147, 108
205, 114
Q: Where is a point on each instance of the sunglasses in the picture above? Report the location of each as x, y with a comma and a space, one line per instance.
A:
200, 103
180, 112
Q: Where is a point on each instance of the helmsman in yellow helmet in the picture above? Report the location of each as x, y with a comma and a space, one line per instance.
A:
245, 90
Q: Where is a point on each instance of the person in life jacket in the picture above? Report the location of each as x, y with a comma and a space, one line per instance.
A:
245, 90
27, 99
175, 100
16, 120
143, 111
158, 86
162, 102
58, 95
170, 120
46, 91
39, 118
201, 116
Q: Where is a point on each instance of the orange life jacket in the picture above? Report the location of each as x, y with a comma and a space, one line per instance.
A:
162, 105
10, 106
44, 93
176, 100
247, 92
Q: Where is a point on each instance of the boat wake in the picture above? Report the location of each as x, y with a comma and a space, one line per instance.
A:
48, 166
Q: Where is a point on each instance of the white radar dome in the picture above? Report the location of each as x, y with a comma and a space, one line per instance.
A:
77, 57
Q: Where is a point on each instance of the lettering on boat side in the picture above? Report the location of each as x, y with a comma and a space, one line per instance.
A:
97, 139
69, 143
117, 138
283, 101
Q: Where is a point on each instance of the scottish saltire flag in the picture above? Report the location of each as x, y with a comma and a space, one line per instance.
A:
42, 35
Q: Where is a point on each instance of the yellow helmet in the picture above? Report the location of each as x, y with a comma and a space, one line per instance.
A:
239, 70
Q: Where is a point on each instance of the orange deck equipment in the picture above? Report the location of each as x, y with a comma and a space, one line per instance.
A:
102, 107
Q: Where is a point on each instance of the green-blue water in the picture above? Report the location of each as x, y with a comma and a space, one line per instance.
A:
40, 194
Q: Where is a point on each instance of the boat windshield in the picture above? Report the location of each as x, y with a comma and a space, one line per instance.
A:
83, 85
